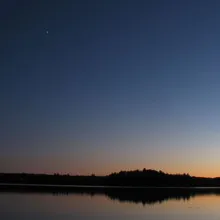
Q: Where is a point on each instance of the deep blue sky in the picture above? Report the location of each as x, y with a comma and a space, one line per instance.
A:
99, 86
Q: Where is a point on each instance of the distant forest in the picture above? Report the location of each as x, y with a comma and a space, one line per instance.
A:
136, 178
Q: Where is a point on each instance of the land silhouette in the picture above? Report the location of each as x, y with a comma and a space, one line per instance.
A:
135, 178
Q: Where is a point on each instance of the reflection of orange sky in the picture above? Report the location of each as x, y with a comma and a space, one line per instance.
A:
103, 206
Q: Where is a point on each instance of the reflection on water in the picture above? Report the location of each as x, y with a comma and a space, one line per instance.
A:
110, 203
148, 195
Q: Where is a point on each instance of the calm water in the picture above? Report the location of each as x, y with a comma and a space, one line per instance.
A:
110, 204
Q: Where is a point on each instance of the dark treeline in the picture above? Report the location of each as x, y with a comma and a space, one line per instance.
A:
135, 178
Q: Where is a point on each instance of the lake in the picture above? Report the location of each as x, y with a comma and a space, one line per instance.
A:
109, 203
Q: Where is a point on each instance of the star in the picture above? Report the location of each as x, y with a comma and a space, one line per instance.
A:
47, 32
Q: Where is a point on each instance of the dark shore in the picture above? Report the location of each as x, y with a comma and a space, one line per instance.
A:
136, 178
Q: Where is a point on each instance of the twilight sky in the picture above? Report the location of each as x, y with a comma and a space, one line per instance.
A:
103, 85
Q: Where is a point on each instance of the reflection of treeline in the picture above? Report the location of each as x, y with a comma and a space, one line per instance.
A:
123, 178
158, 195
147, 195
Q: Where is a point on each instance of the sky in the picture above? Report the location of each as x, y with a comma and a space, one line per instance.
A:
102, 86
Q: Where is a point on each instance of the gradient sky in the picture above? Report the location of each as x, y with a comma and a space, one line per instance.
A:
99, 86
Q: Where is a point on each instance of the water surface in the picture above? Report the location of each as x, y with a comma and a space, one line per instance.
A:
104, 204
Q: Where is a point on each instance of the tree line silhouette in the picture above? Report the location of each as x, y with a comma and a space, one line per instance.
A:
135, 178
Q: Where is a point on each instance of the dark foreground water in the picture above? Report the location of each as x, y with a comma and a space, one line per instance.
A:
108, 203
